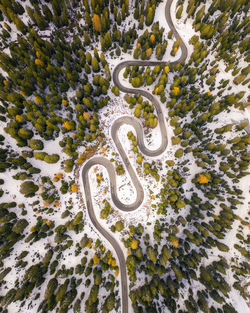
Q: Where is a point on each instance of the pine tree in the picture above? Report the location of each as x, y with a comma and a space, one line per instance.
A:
68, 298
96, 23
19, 23
179, 12
40, 21
56, 7
109, 303
51, 287
88, 19
6, 62
200, 14
47, 13
95, 64
119, 18
19, 226
150, 15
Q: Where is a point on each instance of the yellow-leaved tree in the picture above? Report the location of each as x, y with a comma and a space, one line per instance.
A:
67, 125
166, 69
175, 243
39, 62
74, 188
175, 90
86, 116
95, 259
203, 178
19, 118
134, 244
117, 271
152, 38
96, 22
38, 100
149, 53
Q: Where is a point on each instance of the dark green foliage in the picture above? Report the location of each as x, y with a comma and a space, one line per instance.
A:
51, 287
47, 256
36, 144
4, 273
54, 158
119, 226
40, 71
61, 291
28, 188
19, 226
77, 306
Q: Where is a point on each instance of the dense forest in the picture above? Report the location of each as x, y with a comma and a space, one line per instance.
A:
56, 89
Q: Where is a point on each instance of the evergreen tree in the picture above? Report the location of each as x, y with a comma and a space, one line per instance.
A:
179, 12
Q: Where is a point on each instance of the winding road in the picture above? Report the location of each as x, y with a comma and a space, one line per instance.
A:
140, 139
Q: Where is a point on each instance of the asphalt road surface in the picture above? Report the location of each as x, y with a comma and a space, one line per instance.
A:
140, 139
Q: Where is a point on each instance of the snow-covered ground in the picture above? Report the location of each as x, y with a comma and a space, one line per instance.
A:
145, 214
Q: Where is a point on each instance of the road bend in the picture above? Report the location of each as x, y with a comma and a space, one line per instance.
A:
140, 139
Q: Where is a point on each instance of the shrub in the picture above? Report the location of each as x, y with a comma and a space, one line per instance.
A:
119, 226
25, 133
53, 158
74, 188
40, 155
203, 178
28, 188
36, 144
20, 226
179, 153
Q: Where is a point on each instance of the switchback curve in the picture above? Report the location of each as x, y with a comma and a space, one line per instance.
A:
140, 139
